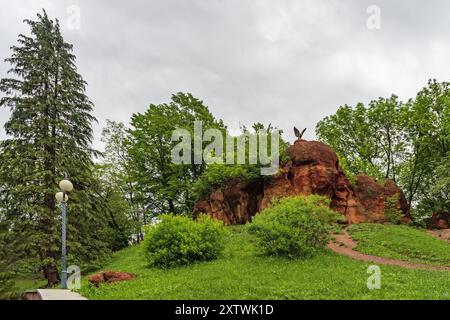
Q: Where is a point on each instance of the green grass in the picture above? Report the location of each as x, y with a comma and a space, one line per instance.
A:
400, 242
29, 283
24, 283
243, 274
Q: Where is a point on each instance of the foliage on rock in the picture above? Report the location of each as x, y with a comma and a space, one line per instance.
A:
391, 212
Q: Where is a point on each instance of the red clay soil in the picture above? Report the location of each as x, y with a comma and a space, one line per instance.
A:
343, 244
443, 234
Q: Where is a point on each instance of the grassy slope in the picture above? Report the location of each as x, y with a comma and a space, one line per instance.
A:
29, 283
400, 242
242, 274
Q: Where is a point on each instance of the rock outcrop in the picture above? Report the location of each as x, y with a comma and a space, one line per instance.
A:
439, 220
373, 196
313, 169
236, 203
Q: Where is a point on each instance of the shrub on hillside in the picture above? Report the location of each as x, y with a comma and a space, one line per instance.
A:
391, 212
7, 287
295, 227
179, 240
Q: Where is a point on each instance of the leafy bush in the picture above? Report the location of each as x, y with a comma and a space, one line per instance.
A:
419, 217
179, 240
392, 214
7, 287
294, 226
346, 168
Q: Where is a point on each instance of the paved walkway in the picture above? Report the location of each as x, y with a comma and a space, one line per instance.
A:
344, 244
59, 294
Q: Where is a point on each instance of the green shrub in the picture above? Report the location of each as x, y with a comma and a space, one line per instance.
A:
351, 176
419, 217
7, 287
391, 213
294, 226
179, 240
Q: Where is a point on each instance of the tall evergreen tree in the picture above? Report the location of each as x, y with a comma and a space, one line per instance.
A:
49, 136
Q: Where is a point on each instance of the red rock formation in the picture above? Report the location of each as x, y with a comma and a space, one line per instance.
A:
372, 197
313, 169
439, 220
234, 204
109, 276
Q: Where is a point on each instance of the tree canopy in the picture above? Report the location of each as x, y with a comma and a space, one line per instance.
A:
407, 142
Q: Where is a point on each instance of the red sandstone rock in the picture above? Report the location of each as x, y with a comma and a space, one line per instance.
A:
235, 204
313, 169
110, 276
442, 224
372, 197
439, 220
312, 152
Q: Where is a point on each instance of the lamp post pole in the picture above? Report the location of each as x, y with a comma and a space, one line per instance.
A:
62, 197
63, 243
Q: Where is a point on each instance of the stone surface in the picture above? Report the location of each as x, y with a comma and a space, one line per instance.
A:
109, 277
59, 294
372, 197
439, 220
313, 169
235, 204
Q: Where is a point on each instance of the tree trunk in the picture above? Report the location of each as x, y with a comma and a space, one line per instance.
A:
51, 274
171, 206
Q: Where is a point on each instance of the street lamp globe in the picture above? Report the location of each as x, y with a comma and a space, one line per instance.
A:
66, 185
59, 197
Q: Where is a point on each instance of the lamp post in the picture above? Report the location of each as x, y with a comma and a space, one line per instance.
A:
62, 198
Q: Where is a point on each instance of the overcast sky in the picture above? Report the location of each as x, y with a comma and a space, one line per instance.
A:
284, 62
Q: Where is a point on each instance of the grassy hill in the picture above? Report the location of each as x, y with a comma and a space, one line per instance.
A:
243, 274
400, 242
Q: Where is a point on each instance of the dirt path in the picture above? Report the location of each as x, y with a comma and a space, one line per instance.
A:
440, 234
344, 244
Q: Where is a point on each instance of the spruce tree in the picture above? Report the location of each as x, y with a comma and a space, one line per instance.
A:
49, 136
